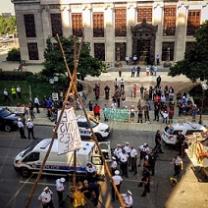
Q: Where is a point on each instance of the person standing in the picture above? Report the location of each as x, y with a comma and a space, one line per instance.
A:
127, 60
90, 106
21, 128
37, 104
46, 198
145, 181
178, 166
122, 84
117, 180
19, 91
124, 163
142, 91
180, 141
158, 59
158, 142
31, 112
158, 81
60, 189
96, 111
97, 91
113, 165
107, 92
156, 111
138, 70
128, 199
13, 92
133, 156
146, 113
6, 95
30, 128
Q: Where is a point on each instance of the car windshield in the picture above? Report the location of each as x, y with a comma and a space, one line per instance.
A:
5, 113
93, 123
30, 147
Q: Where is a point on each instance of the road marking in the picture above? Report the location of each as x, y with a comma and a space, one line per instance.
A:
42, 184
17, 192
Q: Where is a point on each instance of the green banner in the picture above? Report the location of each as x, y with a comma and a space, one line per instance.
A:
115, 114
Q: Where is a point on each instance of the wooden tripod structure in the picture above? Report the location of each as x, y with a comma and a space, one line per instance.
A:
72, 91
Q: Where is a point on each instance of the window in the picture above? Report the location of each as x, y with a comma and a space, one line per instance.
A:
169, 21
34, 156
77, 27
29, 21
167, 51
120, 51
98, 25
33, 51
120, 22
56, 24
193, 21
99, 51
144, 13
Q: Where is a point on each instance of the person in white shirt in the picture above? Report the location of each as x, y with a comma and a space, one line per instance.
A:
18, 90
46, 198
60, 189
37, 104
21, 128
144, 150
133, 156
123, 157
178, 165
6, 95
128, 199
117, 180
91, 171
114, 165
117, 151
30, 128
127, 149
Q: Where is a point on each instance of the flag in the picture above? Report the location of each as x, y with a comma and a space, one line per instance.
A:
68, 132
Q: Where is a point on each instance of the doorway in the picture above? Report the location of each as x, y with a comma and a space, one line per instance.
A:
143, 51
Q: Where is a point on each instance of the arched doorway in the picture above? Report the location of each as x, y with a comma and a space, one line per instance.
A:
144, 35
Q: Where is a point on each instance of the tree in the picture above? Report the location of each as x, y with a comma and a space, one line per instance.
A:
7, 25
14, 55
54, 62
195, 63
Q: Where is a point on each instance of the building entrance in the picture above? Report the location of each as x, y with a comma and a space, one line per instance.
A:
144, 35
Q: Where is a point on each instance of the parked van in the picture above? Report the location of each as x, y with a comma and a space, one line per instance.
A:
169, 135
30, 159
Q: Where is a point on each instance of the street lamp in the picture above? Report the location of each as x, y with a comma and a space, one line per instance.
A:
204, 88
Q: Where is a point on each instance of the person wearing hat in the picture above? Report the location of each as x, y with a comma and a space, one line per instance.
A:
143, 152
117, 180
127, 149
91, 171
117, 151
30, 129
128, 199
124, 163
114, 165
133, 156
60, 189
46, 198
21, 128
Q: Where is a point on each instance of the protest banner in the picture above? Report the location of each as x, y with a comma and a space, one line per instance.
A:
68, 132
116, 114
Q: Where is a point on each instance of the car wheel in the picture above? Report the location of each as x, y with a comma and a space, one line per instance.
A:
7, 128
25, 172
99, 137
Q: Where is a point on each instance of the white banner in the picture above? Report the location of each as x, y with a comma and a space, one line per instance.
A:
68, 132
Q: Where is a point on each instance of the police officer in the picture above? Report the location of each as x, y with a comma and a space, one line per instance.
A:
60, 189
144, 149
128, 199
117, 180
91, 171
133, 156
21, 128
127, 149
30, 128
114, 165
46, 198
117, 151
124, 163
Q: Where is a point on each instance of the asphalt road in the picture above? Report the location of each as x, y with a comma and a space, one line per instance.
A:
14, 189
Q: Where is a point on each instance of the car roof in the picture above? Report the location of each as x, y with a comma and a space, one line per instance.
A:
43, 146
188, 126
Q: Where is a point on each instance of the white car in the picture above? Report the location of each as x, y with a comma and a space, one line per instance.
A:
101, 130
169, 135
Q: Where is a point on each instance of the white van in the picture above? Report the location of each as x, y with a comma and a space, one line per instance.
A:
30, 159
169, 135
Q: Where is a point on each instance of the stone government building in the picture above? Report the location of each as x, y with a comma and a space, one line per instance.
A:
114, 28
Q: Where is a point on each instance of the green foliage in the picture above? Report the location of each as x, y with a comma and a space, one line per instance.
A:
54, 62
195, 63
12, 75
7, 25
14, 55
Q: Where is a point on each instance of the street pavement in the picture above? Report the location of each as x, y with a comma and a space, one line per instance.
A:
189, 192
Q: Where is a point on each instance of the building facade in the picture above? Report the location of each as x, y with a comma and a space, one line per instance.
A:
114, 28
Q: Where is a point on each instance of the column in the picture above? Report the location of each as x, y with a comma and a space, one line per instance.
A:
131, 21
204, 12
181, 26
46, 23
158, 21
109, 34
65, 16
87, 25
